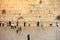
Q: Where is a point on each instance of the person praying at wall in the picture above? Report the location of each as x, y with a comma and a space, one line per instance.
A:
28, 37
24, 24
50, 24
17, 23
3, 24
56, 23
9, 23
12, 26
0, 24
17, 31
15, 26
29, 25
38, 24
20, 28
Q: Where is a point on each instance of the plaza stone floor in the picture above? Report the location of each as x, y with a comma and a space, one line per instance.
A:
36, 33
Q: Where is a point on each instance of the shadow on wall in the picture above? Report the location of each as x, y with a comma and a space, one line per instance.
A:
58, 17
3, 11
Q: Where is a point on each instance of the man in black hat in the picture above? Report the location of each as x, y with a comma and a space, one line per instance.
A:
0, 24
17, 31
20, 28
28, 37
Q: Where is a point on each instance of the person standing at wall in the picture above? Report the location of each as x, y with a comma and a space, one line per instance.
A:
20, 28
17, 31
24, 24
50, 24
3, 24
17, 23
38, 24
0, 24
9, 23
56, 23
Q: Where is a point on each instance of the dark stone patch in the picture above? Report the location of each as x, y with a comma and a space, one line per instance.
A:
40, 1
58, 17
3, 11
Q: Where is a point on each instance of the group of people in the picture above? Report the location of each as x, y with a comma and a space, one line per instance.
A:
19, 28
15, 26
12, 26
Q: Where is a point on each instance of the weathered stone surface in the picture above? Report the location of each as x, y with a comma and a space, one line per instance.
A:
30, 11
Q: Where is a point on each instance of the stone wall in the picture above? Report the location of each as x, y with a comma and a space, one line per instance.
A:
30, 10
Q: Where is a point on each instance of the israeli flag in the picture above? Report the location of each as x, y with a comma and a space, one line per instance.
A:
56, 24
